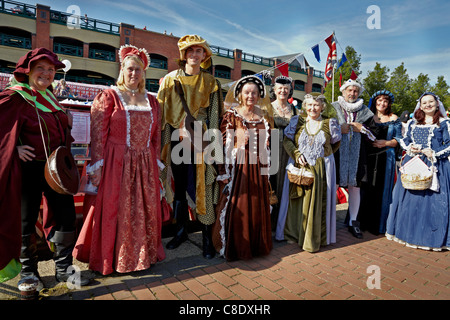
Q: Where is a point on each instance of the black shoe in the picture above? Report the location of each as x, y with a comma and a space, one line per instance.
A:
29, 260
181, 216
354, 230
177, 240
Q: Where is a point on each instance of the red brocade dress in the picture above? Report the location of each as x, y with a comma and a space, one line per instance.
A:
122, 230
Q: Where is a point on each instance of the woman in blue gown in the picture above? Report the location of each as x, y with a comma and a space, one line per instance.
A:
420, 218
376, 191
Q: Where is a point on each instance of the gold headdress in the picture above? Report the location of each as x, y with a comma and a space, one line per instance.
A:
195, 40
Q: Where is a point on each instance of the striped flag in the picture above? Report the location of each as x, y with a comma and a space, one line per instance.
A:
331, 59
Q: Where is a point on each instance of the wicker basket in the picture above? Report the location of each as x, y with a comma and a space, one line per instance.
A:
305, 177
416, 182
273, 199
418, 179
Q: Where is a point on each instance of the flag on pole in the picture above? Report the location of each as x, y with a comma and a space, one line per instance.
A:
301, 60
331, 59
284, 69
343, 60
315, 49
331, 42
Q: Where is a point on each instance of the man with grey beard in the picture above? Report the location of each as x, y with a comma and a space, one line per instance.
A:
354, 118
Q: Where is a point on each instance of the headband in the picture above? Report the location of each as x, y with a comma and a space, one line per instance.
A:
381, 93
283, 80
439, 102
250, 79
129, 50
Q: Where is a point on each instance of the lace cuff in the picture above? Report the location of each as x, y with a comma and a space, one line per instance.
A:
90, 168
223, 177
368, 133
160, 164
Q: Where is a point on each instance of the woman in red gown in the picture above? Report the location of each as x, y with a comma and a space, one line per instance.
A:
122, 230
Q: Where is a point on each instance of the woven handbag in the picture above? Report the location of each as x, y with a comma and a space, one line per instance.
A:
416, 175
273, 199
300, 176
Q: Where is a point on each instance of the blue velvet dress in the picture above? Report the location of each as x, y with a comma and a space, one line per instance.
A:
420, 218
376, 191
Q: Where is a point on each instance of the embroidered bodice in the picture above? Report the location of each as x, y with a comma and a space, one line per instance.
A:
311, 144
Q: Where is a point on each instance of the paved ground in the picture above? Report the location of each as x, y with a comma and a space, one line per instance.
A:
372, 268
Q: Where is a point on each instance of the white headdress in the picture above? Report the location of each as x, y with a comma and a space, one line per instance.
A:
351, 82
440, 104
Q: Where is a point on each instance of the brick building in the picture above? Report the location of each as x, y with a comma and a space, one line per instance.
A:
91, 45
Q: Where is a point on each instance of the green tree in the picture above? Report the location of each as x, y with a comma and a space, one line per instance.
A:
375, 80
441, 88
400, 84
353, 63
419, 85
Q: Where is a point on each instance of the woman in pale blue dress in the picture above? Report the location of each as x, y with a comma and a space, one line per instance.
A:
420, 218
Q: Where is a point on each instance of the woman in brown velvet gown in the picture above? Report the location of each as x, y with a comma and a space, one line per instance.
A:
243, 227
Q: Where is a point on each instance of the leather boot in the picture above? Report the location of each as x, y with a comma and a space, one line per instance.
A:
181, 215
208, 248
64, 244
29, 260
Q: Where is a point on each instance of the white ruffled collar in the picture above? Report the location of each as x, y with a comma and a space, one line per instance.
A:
350, 107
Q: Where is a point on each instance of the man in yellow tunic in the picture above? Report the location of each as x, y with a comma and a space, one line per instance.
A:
203, 96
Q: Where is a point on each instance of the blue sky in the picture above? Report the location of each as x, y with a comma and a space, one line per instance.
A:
414, 32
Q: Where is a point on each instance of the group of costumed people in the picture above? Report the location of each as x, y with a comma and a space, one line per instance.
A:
147, 159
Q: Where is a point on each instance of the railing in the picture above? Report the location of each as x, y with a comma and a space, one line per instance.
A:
297, 69
228, 53
158, 63
223, 52
76, 21
102, 55
257, 59
68, 49
222, 74
319, 74
15, 41
18, 8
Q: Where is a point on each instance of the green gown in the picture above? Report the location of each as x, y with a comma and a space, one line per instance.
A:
306, 216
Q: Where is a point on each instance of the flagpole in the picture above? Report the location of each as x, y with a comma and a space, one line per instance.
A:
332, 89
334, 70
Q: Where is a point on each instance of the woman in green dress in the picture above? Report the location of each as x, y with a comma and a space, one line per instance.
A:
311, 215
